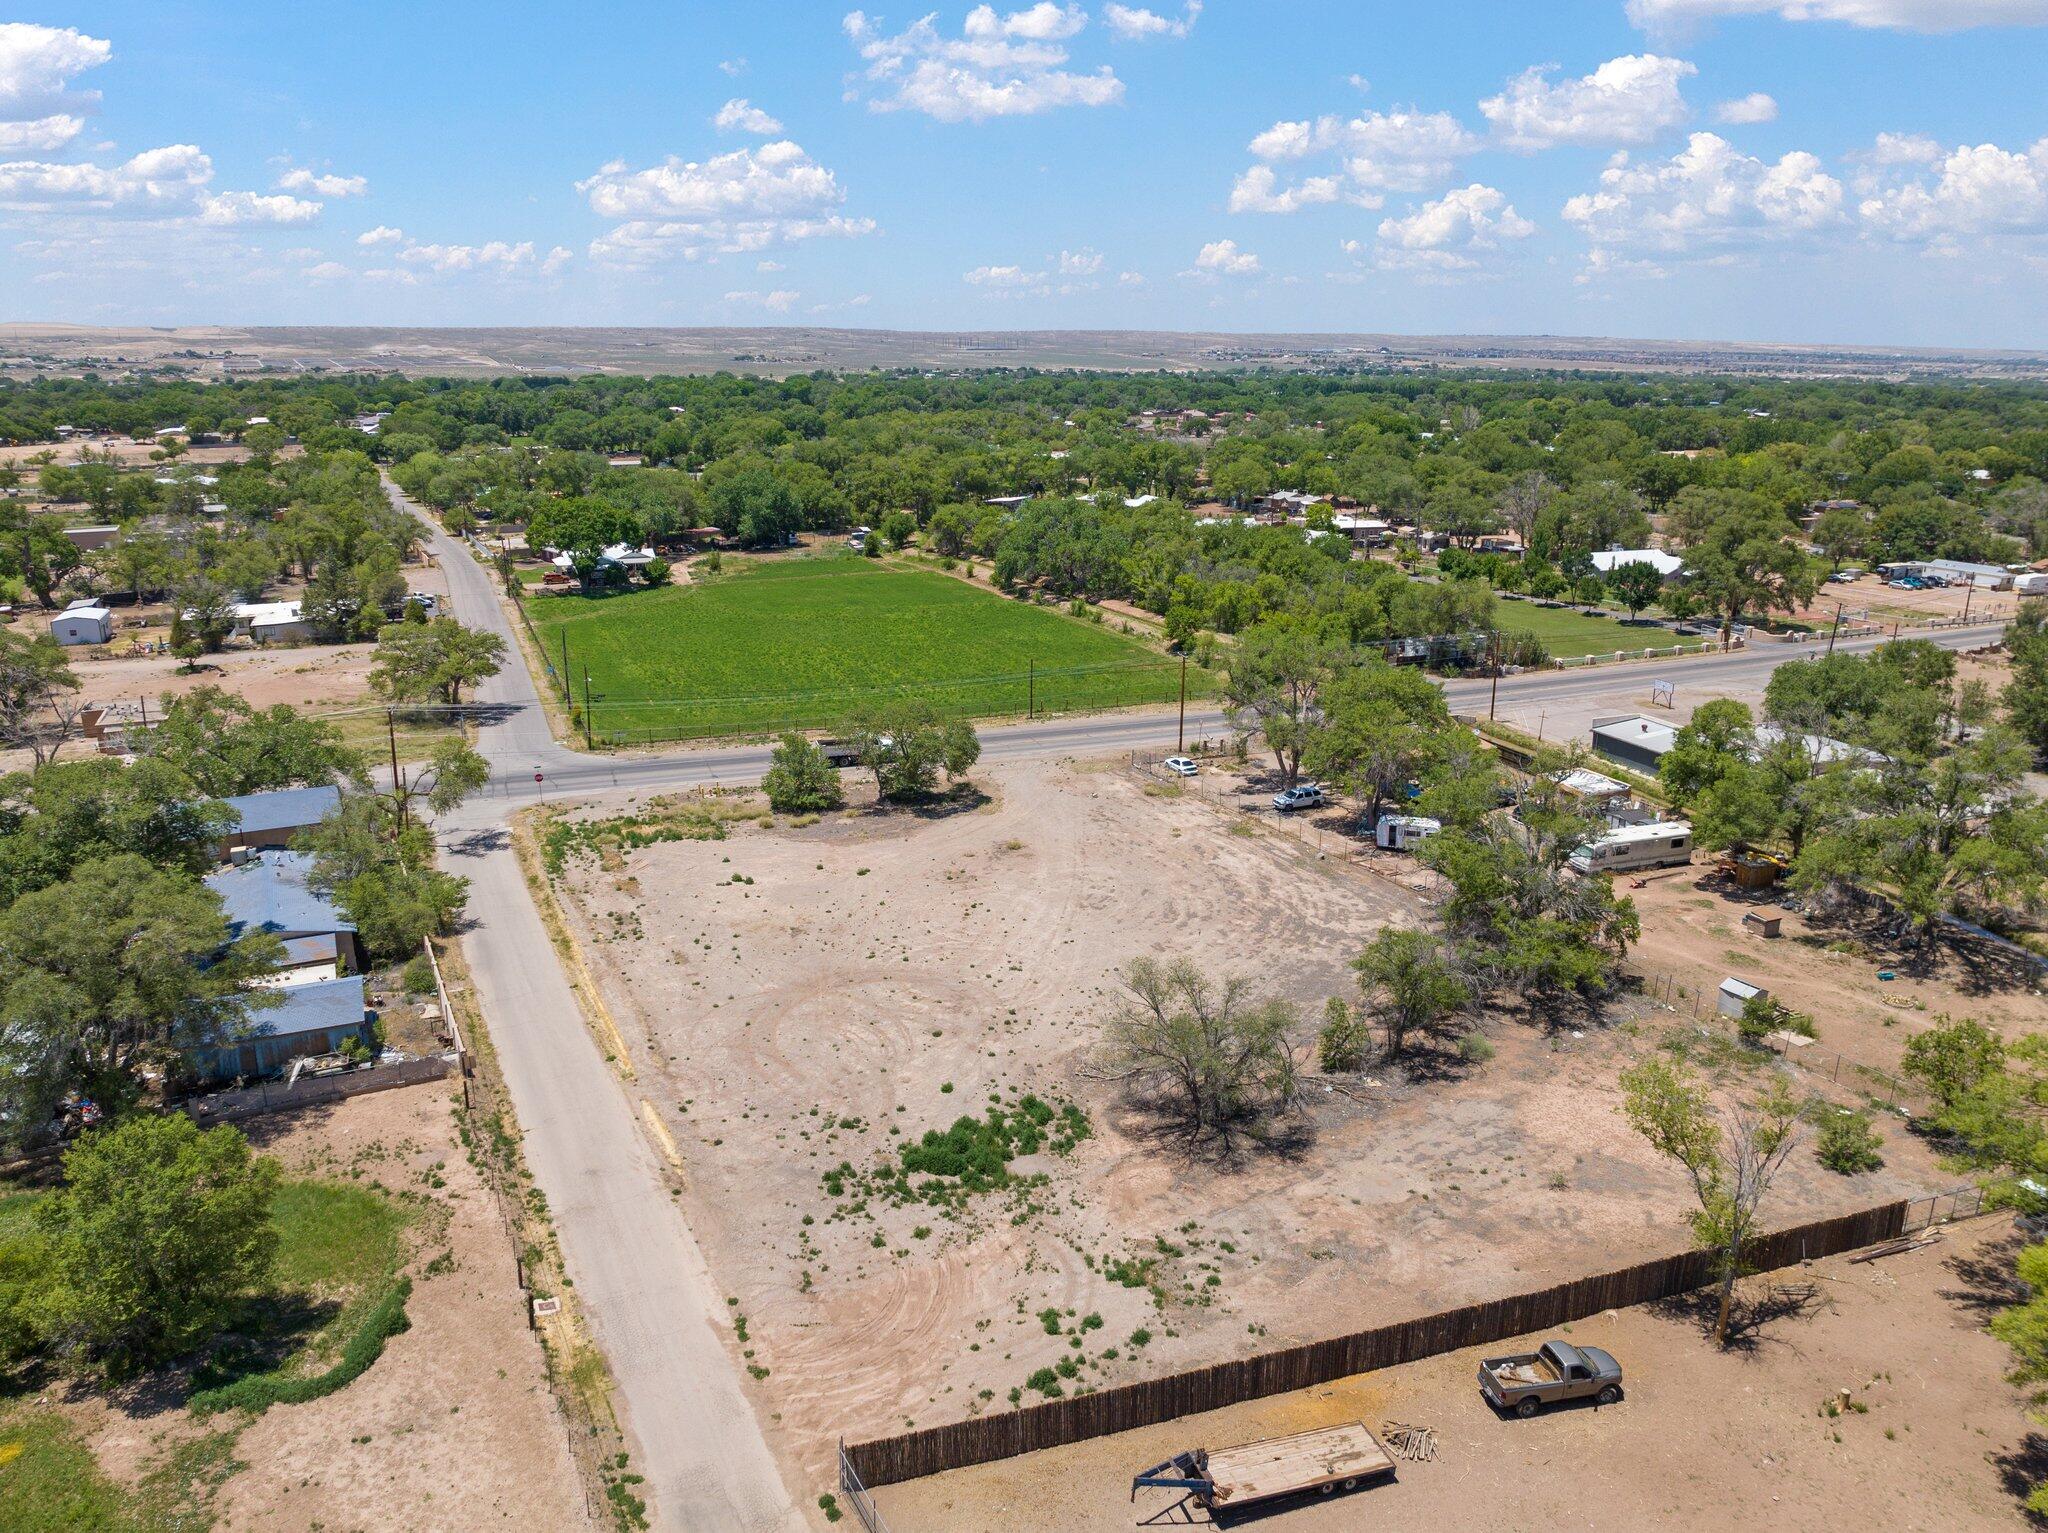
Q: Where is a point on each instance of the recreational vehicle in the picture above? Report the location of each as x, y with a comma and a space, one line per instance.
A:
1666, 844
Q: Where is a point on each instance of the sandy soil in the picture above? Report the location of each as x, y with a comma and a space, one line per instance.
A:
1868, 599
864, 964
1703, 1440
128, 453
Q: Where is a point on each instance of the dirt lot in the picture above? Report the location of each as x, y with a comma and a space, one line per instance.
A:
1703, 1440
454, 1427
1693, 932
128, 453
895, 970
1869, 599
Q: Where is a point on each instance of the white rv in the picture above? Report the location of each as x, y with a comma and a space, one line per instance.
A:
1665, 844
1403, 832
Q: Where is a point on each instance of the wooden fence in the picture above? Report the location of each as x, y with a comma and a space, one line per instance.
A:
932, 1450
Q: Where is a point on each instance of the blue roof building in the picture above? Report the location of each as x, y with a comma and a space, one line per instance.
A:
277, 818
273, 892
315, 1018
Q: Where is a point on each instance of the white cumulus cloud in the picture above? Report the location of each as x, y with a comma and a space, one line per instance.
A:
780, 301
1629, 100
1405, 150
1980, 191
383, 234
1084, 262
1744, 110
745, 200
1136, 24
497, 255
1706, 199
38, 109
1258, 191
230, 208
999, 66
1678, 16
323, 185
1442, 235
741, 114
1223, 258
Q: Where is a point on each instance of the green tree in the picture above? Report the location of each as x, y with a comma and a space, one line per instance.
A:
2026, 692
1273, 683
1635, 585
800, 780
37, 694
1340, 1046
228, 747
1730, 1157
433, 662
380, 869
1740, 560
70, 812
1954, 1058
1220, 1060
1381, 726
115, 971
1718, 740
1842, 533
906, 743
1412, 986
158, 1235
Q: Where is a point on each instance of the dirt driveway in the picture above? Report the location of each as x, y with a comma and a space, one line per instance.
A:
1704, 1440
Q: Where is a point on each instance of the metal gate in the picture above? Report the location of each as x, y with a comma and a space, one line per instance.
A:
857, 1496
1963, 1203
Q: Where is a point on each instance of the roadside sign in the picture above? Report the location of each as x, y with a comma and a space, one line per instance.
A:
536, 777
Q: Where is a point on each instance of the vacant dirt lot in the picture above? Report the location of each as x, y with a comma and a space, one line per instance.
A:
1704, 1439
802, 996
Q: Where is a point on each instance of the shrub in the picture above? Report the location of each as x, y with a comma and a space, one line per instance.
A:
1341, 1045
800, 780
1474, 1049
419, 976
1848, 1144
258, 1392
657, 572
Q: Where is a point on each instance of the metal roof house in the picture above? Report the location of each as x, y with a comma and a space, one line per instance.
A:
1608, 560
1634, 741
310, 1019
276, 819
272, 892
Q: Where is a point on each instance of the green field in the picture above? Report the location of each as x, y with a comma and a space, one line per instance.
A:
1569, 635
801, 643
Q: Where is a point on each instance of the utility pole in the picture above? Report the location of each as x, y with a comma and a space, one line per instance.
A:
1969, 590
1181, 739
567, 700
1493, 696
1837, 628
1031, 689
397, 787
587, 745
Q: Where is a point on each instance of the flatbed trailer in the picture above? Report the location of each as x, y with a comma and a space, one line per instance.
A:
1326, 1460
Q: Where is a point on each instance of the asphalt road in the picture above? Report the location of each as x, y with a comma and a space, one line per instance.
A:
649, 1299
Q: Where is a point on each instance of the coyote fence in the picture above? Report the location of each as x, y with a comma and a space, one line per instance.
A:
857, 1496
932, 1450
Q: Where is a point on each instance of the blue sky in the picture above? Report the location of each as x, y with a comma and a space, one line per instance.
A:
1793, 170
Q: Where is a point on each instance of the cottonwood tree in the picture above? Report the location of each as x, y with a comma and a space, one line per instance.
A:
1381, 726
1953, 1058
379, 868
1730, 1156
433, 661
1274, 683
158, 1234
1219, 1059
114, 971
1412, 986
38, 694
907, 744
2026, 694
69, 812
227, 747
1635, 585
1739, 557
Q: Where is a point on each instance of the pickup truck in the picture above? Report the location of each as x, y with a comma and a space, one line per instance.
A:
1554, 1372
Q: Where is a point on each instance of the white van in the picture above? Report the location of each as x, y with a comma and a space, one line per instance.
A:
1665, 844
1404, 832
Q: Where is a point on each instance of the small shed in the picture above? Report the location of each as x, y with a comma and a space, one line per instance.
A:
314, 1018
1765, 921
83, 622
1735, 994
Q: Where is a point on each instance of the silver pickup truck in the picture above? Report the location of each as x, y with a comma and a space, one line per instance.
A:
1555, 1371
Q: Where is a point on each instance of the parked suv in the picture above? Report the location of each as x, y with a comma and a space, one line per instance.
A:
1303, 795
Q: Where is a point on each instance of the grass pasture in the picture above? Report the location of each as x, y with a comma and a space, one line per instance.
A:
801, 642
1570, 634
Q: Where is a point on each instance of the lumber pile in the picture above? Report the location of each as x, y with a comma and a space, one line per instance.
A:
1409, 1442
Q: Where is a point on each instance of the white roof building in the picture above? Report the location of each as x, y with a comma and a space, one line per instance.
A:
1608, 560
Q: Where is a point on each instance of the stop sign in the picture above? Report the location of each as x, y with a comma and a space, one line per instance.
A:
536, 777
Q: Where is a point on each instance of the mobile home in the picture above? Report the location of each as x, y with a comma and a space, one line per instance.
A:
1404, 832
1665, 844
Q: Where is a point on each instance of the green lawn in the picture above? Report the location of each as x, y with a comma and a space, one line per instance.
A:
801, 642
1569, 634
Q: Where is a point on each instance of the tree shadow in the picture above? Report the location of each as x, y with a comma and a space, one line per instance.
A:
2021, 1470
961, 798
478, 843
1756, 1309
1986, 1281
265, 1331
1287, 1137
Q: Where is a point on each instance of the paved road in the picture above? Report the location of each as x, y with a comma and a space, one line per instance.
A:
643, 1285
639, 1276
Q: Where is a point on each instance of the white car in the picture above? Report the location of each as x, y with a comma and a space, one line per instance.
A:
1180, 766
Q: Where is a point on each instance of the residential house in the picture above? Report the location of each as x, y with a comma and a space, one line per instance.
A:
1608, 560
272, 622
272, 892
313, 1018
275, 819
